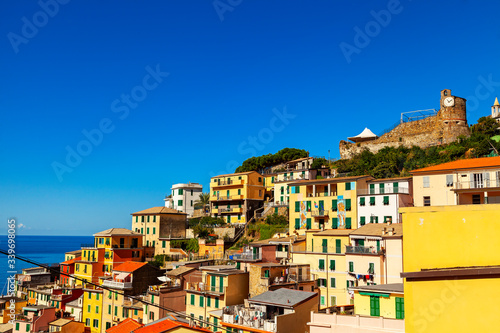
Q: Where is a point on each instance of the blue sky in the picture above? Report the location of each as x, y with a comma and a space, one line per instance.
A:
178, 91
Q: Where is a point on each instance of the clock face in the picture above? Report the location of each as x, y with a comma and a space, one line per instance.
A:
449, 101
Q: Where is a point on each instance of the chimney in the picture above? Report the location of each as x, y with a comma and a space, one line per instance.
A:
384, 231
391, 231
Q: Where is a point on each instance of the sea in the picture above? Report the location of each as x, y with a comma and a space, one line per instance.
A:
39, 249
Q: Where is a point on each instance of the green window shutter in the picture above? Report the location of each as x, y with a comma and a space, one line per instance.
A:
387, 219
201, 301
334, 205
308, 224
324, 245
347, 204
272, 179
386, 200
179, 203
297, 189
381, 188
400, 308
322, 300
362, 201
239, 191
348, 223
362, 220
332, 283
297, 206
395, 187
374, 306
181, 191
372, 188
109, 309
154, 231
376, 219
209, 301
335, 223
163, 244
332, 265
347, 186
351, 266
216, 303
192, 299
321, 264
371, 268
266, 273
372, 201
297, 223
116, 310
338, 247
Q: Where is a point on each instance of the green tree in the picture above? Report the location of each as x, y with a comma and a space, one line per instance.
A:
203, 202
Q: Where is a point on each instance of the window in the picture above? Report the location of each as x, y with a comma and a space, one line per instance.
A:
181, 191
192, 299
297, 189
179, 203
332, 265
239, 191
362, 201
373, 219
209, 301
191, 203
374, 306
348, 223
371, 268
332, 283
109, 309
154, 232
386, 200
426, 181
17, 326
362, 220
108, 325
96, 323
325, 245
322, 300
338, 246
400, 308
387, 219
372, 201
335, 223
260, 180
147, 231
308, 222
427, 201
351, 266
266, 273
347, 186
334, 205
449, 180
322, 283
163, 244
347, 204
321, 264
297, 206
96, 309
148, 218
116, 310
216, 303
154, 218
333, 300
201, 301
297, 223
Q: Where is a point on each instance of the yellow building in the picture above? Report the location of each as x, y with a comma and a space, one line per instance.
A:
221, 286
234, 197
451, 268
383, 300
9, 307
211, 248
158, 225
325, 203
116, 308
325, 254
462, 182
92, 309
269, 180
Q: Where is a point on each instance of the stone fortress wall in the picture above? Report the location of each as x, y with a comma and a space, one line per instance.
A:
446, 126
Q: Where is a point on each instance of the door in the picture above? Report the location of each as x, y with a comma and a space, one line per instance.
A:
374, 306
477, 180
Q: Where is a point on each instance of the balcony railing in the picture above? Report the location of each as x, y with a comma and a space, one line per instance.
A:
88, 246
362, 250
485, 183
203, 287
390, 190
319, 213
321, 194
117, 285
247, 256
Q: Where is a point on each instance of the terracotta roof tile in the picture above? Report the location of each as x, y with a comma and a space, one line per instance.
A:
117, 232
475, 163
165, 325
129, 266
71, 261
158, 210
126, 326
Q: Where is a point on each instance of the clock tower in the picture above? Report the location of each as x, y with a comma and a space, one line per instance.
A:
453, 116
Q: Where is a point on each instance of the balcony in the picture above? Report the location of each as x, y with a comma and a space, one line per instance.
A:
362, 250
204, 288
391, 190
87, 246
249, 256
228, 182
321, 194
117, 285
281, 254
230, 210
319, 213
477, 184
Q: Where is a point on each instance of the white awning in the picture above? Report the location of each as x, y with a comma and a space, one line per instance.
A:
364, 136
164, 278
121, 276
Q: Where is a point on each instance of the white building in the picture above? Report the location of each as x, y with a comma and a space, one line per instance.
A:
183, 197
381, 201
495, 110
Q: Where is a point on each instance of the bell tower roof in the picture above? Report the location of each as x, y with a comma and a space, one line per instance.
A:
496, 102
